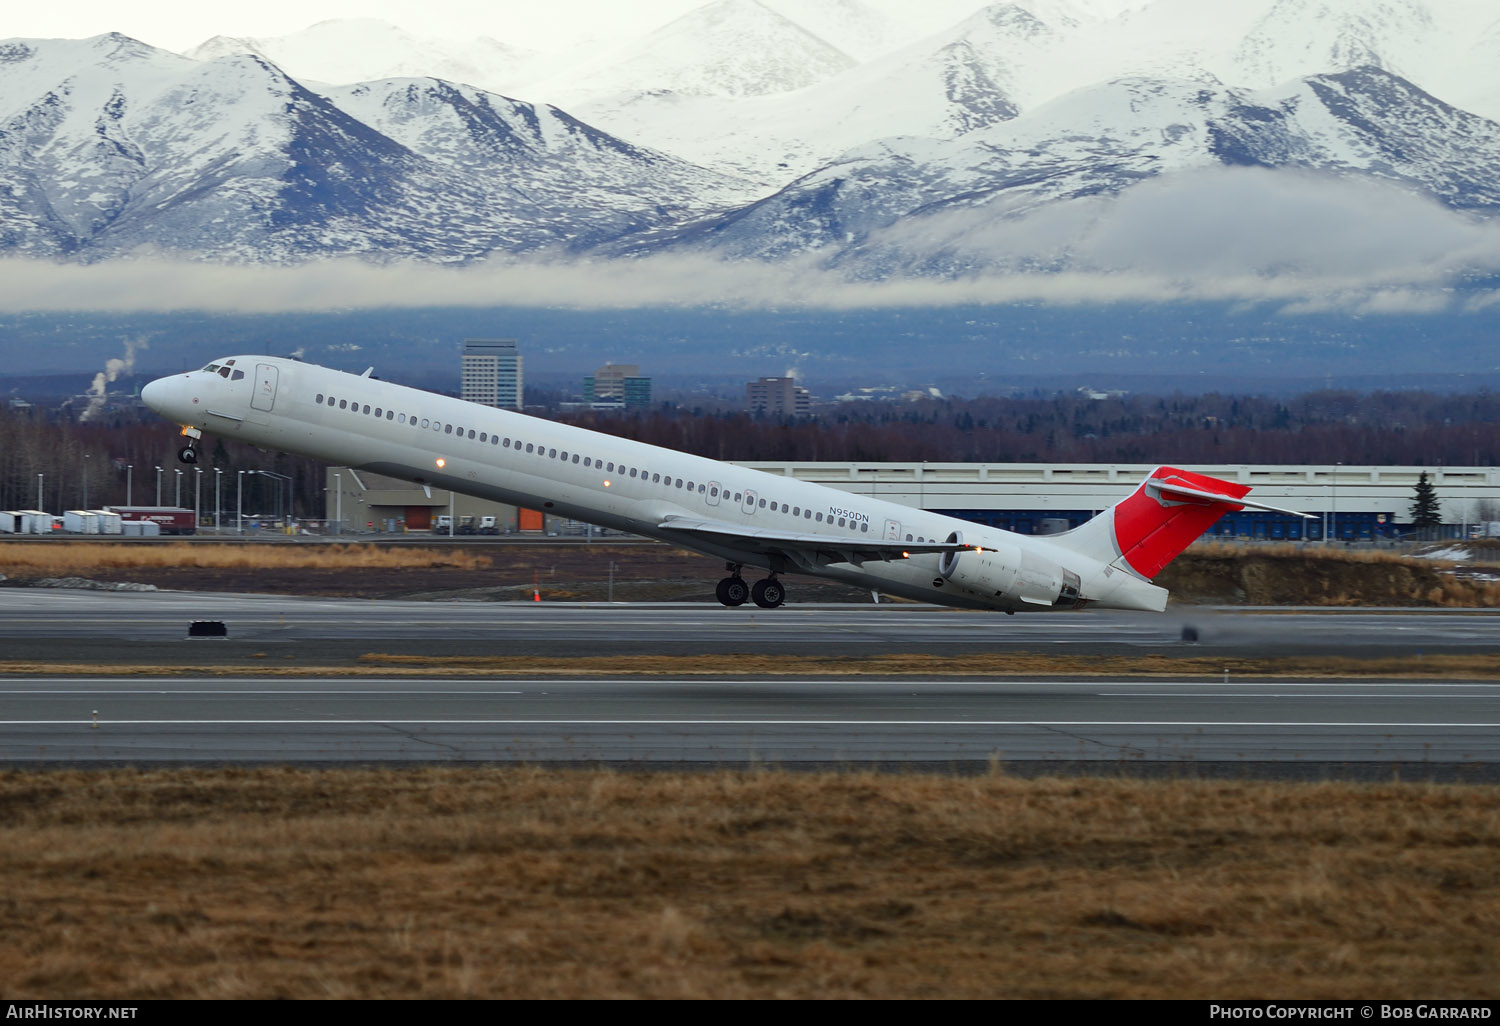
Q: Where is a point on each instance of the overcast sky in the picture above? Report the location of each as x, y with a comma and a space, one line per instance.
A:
176, 25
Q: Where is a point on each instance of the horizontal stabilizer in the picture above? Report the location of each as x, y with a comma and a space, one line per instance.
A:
1175, 488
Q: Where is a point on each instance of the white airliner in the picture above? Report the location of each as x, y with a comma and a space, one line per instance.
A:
746, 517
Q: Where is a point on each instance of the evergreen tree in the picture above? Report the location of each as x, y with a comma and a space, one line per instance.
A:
1425, 516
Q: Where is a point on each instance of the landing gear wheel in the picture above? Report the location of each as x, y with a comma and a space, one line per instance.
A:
768, 594
187, 454
732, 591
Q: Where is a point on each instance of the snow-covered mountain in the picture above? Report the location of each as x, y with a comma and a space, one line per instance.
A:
941, 86
1029, 193
875, 136
348, 50
110, 147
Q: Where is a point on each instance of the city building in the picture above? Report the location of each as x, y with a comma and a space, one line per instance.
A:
617, 385
491, 373
777, 396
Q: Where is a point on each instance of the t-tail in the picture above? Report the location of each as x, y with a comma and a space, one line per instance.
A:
1170, 510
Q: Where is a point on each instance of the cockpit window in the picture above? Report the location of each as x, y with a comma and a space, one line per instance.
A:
237, 375
211, 368
223, 372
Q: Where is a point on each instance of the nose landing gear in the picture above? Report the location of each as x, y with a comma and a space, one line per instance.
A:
188, 454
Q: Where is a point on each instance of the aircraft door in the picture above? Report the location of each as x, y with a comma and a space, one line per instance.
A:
749, 504
713, 492
892, 530
265, 387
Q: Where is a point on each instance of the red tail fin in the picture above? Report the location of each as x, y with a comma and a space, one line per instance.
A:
1167, 513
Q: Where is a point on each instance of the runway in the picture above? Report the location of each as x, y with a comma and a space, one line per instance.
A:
47, 624
1371, 728
1345, 728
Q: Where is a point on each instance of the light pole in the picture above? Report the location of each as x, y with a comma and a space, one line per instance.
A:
239, 503
129, 474
39, 493
338, 502
279, 479
1333, 505
197, 497
158, 486
85, 480
178, 501
218, 481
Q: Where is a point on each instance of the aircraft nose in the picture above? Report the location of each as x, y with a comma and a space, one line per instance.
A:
164, 395
154, 394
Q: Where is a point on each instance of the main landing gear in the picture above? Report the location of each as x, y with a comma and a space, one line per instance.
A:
733, 591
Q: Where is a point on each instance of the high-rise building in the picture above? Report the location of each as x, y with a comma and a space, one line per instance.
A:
777, 396
618, 384
491, 373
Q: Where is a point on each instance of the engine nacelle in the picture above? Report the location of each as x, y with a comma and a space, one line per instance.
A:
1010, 572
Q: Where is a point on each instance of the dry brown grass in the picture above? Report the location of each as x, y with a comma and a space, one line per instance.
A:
550, 883
1283, 550
22, 558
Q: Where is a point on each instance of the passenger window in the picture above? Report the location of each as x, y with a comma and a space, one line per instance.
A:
796, 511
552, 453
484, 436
448, 430
679, 482
575, 457
343, 404
864, 528
632, 472
471, 433
507, 443
565, 457
702, 489
367, 411
424, 422
656, 479
738, 496
390, 414
762, 503
908, 537
587, 462
807, 514
528, 447
320, 399
402, 418
611, 467
841, 521
820, 518
378, 412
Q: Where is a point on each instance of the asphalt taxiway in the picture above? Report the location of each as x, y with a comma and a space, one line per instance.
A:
1451, 730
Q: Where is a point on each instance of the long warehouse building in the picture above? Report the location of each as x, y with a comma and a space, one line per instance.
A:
1350, 503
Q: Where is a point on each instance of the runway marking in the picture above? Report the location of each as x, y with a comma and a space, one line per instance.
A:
747, 723
283, 691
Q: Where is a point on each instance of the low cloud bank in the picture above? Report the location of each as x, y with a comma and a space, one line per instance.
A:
1306, 244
